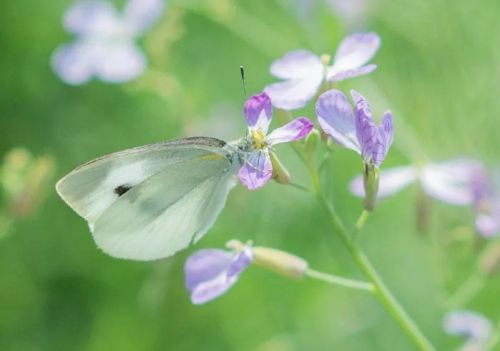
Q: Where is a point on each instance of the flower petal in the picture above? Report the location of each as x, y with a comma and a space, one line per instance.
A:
240, 262
210, 273
257, 171
205, 265
488, 224
304, 73
258, 112
295, 130
334, 75
74, 63
450, 181
385, 136
120, 62
296, 64
140, 15
355, 51
90, 16
391, 181
294, 93
366, 131
335, 117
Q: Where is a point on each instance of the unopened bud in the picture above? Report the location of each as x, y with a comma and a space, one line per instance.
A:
280, 173
280, 262
325, 59
311, 142
371, 177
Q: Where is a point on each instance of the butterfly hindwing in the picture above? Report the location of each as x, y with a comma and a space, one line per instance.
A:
166, 212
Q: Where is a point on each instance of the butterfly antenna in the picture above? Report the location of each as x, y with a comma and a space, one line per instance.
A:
242, 73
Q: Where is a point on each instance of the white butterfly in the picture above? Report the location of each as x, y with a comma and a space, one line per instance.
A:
149, 202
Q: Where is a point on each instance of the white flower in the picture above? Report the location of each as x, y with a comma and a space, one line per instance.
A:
105, 45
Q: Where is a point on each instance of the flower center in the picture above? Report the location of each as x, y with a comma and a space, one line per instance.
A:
258, 139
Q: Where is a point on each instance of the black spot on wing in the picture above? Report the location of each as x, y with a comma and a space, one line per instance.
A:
122, 189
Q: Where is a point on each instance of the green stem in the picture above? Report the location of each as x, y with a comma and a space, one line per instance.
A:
300, 187
467, 290
360, 223
382, 292
336, 280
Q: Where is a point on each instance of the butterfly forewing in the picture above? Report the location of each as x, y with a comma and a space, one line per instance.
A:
149, 202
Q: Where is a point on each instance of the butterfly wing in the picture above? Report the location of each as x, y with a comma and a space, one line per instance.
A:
149, 202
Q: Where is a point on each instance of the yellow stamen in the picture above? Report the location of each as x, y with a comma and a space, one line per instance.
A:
258, 139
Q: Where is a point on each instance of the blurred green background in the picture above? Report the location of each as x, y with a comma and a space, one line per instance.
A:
438, 71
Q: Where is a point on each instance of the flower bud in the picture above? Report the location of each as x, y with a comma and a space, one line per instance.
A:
371, 177
280, 262
280, 173
311, 143
325, 59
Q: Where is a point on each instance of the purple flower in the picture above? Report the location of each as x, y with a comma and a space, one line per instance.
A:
258, 168
449, 181
486, 200
476, 328
210, 273
355, 131
105, 45
303, 72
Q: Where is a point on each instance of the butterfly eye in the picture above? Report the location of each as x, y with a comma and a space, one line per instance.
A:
122, 189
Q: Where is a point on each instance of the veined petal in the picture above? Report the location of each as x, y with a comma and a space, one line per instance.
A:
294, 93
386, 131
88, 16
450, 181
257, 171
140, 15
296, 64
295, 130
258, 112
240, 262
205, 265
337, 75
74, 63
335, 117
355, 51
120, 62
366, 131
210, 273
384, 139
391, 181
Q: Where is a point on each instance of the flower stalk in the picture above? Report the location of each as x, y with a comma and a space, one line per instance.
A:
341, 281
381, 291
